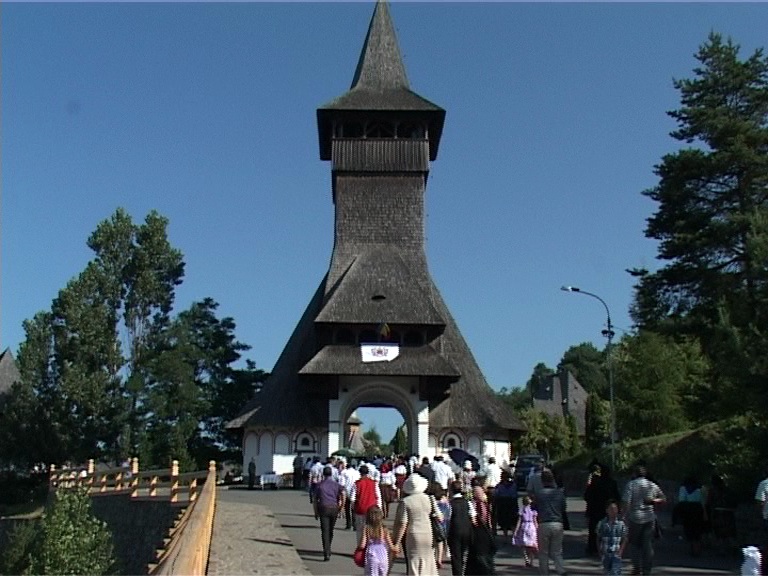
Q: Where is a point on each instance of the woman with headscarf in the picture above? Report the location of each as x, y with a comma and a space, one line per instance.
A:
413, 522
482, 549
690, 508
505, 500
600, 489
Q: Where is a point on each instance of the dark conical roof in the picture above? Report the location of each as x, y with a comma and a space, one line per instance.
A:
380, 65
380, 84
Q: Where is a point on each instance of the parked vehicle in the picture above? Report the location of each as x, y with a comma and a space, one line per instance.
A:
523, 466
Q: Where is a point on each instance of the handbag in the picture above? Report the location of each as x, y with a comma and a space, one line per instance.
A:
438, 532
359, 557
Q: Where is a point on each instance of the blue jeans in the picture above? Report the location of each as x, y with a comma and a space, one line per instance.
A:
611, 564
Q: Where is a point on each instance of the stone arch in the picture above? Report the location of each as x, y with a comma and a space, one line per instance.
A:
475, 445
250, 446
451, 439
305, 442
384, 393
282, 444
266, 450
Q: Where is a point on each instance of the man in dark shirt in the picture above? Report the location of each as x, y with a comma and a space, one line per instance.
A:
463, 517
329, 499
426, 470
550, 504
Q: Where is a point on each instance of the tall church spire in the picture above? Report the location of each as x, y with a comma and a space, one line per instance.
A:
379, 88
380, 65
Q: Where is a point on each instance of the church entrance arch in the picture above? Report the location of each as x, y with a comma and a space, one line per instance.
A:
398, 393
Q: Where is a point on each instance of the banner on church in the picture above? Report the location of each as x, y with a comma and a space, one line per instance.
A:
379, 352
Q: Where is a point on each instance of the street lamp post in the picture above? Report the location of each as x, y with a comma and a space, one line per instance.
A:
608, 333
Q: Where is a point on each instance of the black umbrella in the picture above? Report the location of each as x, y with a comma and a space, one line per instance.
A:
460, 456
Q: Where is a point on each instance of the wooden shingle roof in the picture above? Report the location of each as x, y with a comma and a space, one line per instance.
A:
380, 84
9, 372
382, 284
284, 400
347, 361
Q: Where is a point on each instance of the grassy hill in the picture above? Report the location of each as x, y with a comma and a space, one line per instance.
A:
736, 448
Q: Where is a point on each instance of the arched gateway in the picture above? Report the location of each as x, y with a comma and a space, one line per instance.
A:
377, 332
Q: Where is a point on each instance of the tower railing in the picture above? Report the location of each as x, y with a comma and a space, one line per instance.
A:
380, 154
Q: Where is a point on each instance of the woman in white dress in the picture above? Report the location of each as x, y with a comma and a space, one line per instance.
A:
412, 521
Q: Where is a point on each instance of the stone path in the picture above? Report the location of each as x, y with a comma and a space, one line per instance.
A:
274, 532
248, 539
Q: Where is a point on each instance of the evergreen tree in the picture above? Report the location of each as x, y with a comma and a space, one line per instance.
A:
712, 223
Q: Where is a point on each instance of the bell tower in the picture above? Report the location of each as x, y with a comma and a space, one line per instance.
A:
378, 297
379, 137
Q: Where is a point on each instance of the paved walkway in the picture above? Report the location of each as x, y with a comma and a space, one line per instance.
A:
274, 532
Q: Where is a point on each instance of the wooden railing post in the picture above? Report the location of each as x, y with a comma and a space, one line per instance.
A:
193, 490
153, 485
186, 551
89, 477
134, 477
175, 481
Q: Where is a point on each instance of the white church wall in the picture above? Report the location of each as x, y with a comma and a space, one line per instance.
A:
498, 449
264, 457
250, 449
475, 445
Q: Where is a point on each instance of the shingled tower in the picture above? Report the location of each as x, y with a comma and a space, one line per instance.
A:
378, 296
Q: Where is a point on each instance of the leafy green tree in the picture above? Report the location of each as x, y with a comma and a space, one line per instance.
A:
400, 440
598, 421
109, 372
372, 441
16, 554
194, 387
711, 223
540, 372
534, 439
588, 366
518, 398
71, 539
658, 384
29, 429
553, 436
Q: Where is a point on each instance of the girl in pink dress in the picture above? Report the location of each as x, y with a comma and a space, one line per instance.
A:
525, 532
377, 542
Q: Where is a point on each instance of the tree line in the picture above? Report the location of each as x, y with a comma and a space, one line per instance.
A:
110, 371
697, 351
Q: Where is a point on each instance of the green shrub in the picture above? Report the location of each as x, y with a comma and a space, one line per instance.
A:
19, 548
72, 539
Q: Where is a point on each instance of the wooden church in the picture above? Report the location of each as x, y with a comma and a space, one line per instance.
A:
377, 332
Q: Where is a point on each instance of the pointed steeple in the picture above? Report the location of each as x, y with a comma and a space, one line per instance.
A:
380, 65
380, 88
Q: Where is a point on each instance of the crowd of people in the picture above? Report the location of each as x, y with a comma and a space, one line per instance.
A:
440, 514
444, 514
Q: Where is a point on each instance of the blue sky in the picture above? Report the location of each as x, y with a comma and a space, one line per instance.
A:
206, 112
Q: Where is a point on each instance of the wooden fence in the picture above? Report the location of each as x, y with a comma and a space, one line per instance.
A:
185, 550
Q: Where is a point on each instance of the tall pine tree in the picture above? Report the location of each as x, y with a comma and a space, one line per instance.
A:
712, 223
